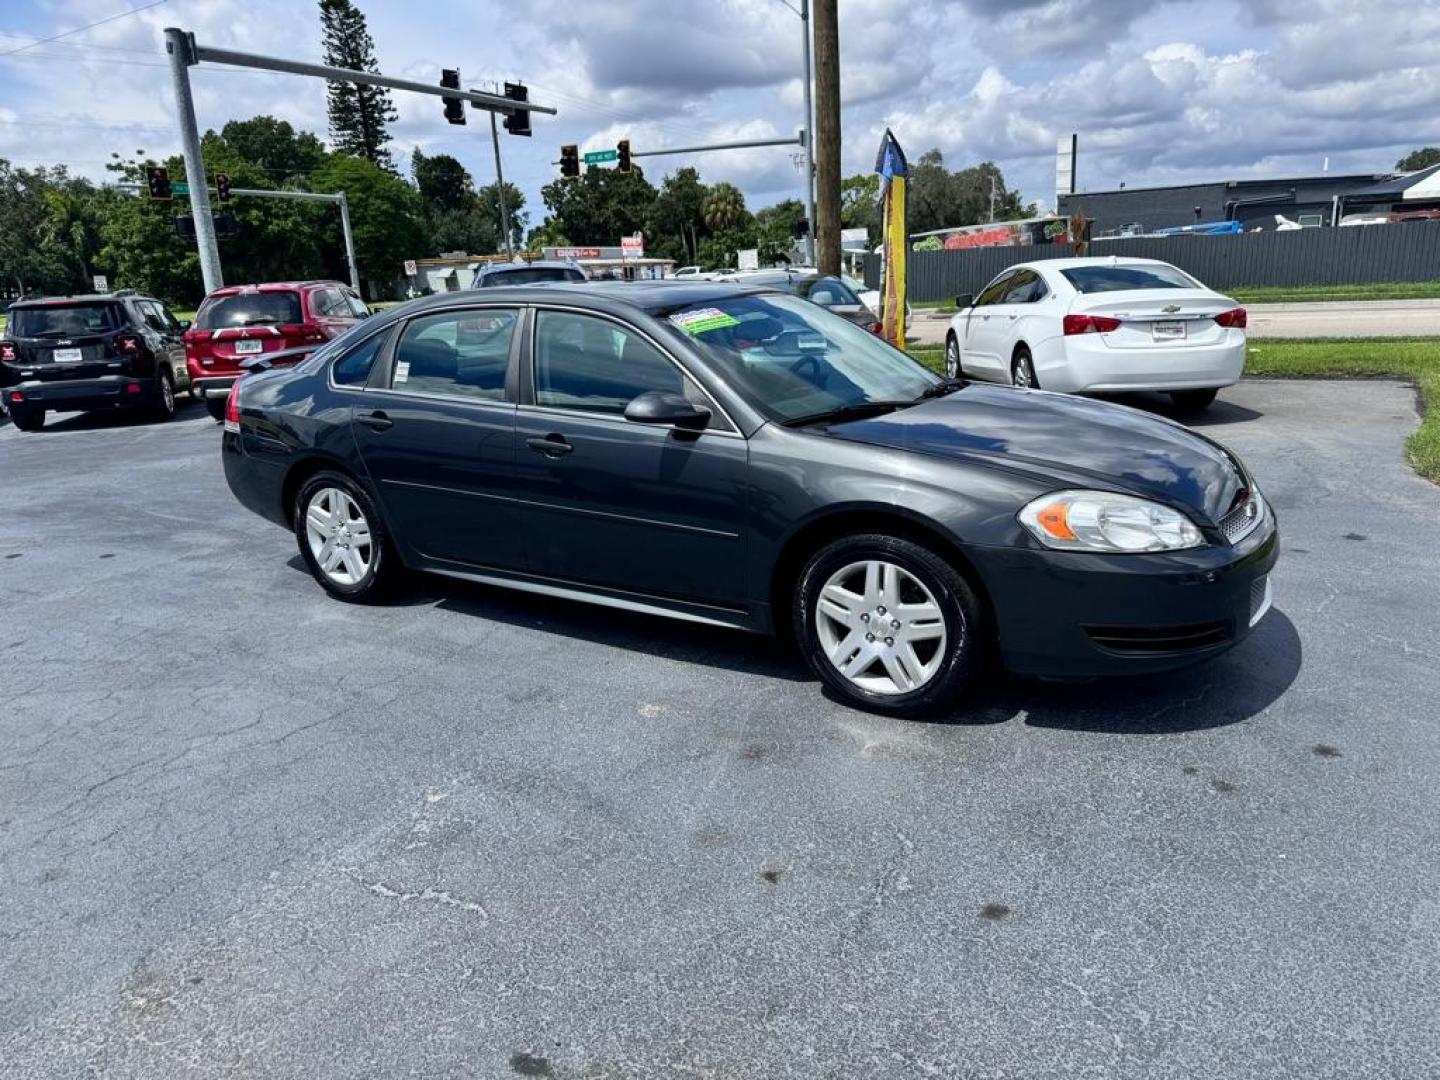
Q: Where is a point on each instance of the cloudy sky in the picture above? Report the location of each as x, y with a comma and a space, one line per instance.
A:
1158, 91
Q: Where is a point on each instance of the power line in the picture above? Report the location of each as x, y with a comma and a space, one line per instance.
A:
87, 26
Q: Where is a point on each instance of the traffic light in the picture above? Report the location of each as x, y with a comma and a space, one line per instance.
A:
454, 107
518, 122
222, 187
570, 160
622, 158
801, 229
158, 181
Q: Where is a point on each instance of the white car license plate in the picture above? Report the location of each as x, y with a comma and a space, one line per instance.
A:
250, 345
68, 356
1167, 331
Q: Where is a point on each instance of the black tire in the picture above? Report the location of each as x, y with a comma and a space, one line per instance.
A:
953, 369
1193, 401
163, 407
215, 406
1022, 369
384, 568
965, 657
28, 419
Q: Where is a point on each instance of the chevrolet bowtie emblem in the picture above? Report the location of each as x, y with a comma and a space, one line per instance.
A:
1170, 309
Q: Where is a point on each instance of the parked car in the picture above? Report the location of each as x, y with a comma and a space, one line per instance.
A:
872, 298
93, 353
239, 322
493, 275
741, 457
1100, 324
687, 271
830, 293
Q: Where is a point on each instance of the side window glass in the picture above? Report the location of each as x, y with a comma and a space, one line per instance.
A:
357, 306
464, 353
594, 365
353, 368
153, 316
1021, 289
168, 318
332, 305
994, 290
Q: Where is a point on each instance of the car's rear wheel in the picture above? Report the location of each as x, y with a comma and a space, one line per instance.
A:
952, 356
1022, 370
164, 395
1193, 401
890, 626
28, 419
341, 538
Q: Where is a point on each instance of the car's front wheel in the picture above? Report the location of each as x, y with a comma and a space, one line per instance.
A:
890, 626
342, 539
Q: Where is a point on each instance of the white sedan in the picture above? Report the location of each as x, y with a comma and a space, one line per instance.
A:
1105, 324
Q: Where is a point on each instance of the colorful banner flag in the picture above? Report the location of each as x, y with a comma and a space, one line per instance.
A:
894, 172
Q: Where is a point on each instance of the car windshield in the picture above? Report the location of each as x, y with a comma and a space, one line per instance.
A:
530, 275
249, 309
62, 320
795, 361
1119, 277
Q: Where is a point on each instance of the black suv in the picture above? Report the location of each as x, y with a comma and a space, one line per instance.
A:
89, 353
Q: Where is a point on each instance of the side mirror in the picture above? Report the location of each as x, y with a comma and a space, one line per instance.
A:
185, 324
658, 407
965, 300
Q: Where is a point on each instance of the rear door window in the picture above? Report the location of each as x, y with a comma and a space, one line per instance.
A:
64, 320
456, 353
1121, 277
154, 317
250, 309
995, 290
1025, 288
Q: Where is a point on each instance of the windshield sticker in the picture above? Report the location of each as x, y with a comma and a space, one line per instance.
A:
702, 319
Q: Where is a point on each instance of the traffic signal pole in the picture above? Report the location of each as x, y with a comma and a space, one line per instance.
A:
178, 45
500, 190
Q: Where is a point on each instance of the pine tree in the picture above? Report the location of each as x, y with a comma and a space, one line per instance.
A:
358, 114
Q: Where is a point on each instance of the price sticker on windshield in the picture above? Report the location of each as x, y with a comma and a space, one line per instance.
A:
700, 320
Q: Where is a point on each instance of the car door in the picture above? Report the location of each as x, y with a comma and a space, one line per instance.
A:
435, 427
330, 311
1025, 288
644, 508
171, 339
980, 351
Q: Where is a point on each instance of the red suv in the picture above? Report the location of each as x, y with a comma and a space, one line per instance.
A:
239, 322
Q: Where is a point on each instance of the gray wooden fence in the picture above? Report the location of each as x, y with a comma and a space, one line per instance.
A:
1407, 251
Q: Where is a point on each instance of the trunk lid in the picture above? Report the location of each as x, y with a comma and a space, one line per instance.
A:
1158, 318
56, 342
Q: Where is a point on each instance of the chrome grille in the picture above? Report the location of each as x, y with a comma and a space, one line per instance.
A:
1240, 522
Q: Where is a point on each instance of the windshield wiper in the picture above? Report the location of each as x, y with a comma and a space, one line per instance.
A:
857, 411
940, 389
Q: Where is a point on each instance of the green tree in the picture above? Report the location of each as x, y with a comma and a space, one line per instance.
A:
1419, 159
601, 206
547, 234
677, 219
724, 207
49, 232
777, 228
487, 201
286, 156
359, 115
940, 199
860, 203
442, 181
385, 216
140, 248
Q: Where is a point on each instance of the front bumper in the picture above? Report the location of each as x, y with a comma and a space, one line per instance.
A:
1075, 614
83, 395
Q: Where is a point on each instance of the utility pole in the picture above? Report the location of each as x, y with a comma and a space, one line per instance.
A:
827, 135
809, 139
500, 190
180, 47
993, 193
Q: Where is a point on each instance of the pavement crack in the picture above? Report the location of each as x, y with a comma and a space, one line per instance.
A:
403, 895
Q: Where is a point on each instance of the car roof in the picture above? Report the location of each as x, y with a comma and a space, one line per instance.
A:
272, 286
647, 296
81, 298
1087, 260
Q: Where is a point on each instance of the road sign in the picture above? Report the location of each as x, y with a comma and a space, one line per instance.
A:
409, 267
179, 187
101, 283
595, 157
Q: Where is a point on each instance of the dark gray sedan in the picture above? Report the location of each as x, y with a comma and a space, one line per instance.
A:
741, 457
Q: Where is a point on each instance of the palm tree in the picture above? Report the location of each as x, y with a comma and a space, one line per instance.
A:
723, 208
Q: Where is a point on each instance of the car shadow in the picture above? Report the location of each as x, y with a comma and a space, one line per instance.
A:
185, 409
1218, 413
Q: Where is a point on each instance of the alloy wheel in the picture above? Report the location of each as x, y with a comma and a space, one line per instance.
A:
952, 358
167, 394
1024, 375
881, 627
339, 536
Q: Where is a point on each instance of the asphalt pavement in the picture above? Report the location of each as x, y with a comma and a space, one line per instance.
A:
1328, 319
246, 830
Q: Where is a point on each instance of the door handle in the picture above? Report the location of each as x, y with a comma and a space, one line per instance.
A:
552, 446
1012, 318
376, 421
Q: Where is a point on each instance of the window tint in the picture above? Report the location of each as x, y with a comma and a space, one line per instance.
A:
582, 362
249, 309
529, 276
1121, 276
994, 290
69, 320
830, 292
465, 353
353, 368
1025, 287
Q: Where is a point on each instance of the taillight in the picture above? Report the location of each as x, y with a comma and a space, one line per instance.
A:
16, 395
878, 329
302, 331
232, 409
7, 350
1235, 318
130, 344
1089, 324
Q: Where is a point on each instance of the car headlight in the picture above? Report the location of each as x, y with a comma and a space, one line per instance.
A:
1106, 521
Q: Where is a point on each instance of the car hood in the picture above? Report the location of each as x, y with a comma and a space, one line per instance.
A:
1062, 441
